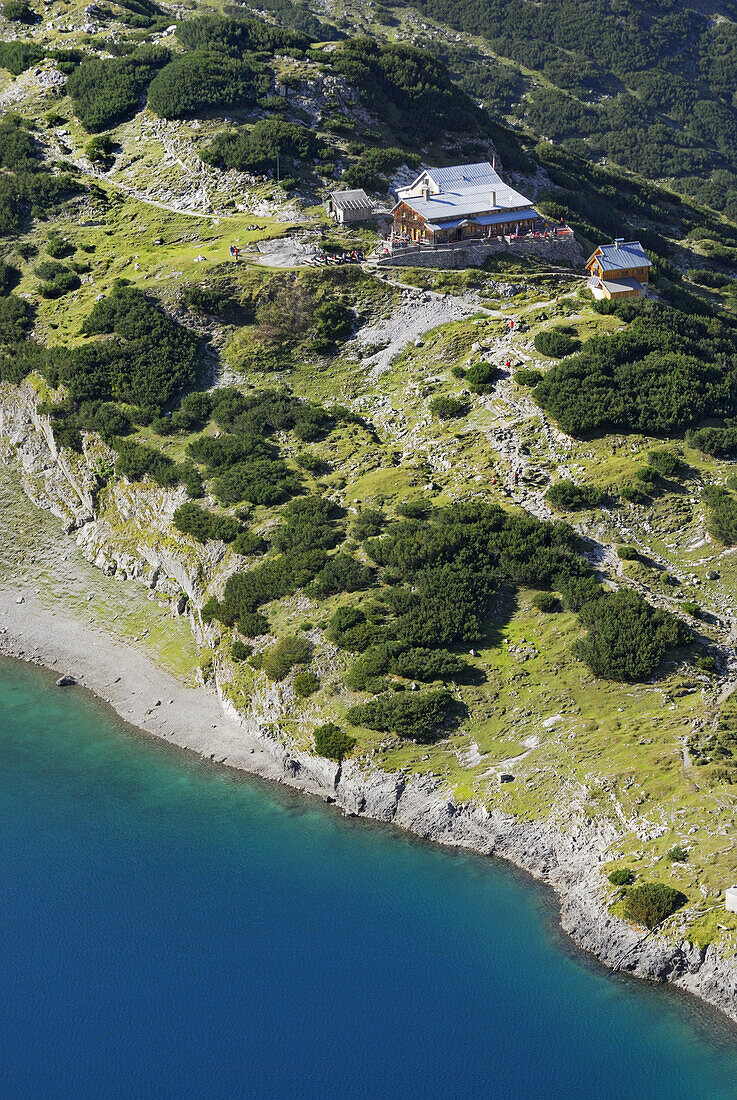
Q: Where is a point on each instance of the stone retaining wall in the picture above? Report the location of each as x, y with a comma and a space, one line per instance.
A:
560, 251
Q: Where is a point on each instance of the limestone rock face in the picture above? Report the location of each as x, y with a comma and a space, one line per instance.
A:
126, 530
62, 483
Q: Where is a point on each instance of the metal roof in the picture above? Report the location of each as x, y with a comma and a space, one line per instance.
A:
621, 284
464, 190
618, 256
462, 204
351, 200
459, 176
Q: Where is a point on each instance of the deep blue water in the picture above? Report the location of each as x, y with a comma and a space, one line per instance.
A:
169, 930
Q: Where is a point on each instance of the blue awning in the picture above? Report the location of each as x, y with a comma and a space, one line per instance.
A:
503, 216
500, 217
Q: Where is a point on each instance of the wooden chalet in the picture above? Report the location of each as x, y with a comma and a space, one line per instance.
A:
618, 270
464, 202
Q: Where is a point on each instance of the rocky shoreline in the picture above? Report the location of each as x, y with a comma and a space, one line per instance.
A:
197, 719
204, 721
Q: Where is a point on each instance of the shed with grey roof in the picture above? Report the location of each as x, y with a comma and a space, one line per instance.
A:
350, 206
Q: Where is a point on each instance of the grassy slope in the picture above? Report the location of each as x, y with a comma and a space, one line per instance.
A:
576, 746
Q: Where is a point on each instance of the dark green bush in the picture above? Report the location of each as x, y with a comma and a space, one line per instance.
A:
368, 523
717, 442
417, 716
9, 278
648, 477
258, 481
332, 321
429, 665
308, 523
257, 149
627, 638
628, 553
107, 419
17, 148
677, 854
667, 371
569, 497
413, 509
198, 82
135, 461
148, 360
189, 477
705, 277
556, 344
202, 525
333, 742
546, 602
407, 87
100, 150
449, 408
350, 629
367, 671
16, 57
305, 684
721, 521
18, 11
666, 462
620, 876
59, 247
27, 188
528, 377
279, 661
16, 317
481, 377
652, 903
104, 92
234, 37
246, 592
60, 280
240, 650
341, 573
247, 543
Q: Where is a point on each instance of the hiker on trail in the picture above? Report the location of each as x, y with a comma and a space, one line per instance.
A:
516, 478
236, 252
232, 250
511, 326
508, 364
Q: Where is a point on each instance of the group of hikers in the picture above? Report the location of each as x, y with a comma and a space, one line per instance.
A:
235, 251
355, 256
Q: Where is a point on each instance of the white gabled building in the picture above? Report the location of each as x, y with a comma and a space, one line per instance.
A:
464, 202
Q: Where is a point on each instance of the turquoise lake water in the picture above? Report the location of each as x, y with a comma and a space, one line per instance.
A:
169, 930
